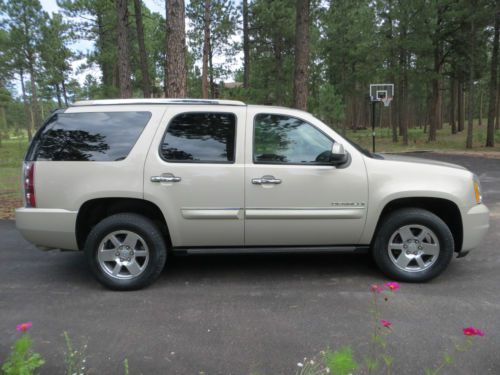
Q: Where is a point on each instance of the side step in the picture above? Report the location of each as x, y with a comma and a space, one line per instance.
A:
272, 250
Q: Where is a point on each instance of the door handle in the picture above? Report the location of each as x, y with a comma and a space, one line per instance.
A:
165, 179
266, 180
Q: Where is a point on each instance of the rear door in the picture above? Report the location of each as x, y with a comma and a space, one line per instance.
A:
195, 173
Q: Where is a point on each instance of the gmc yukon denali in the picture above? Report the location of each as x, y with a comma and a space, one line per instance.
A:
131, 182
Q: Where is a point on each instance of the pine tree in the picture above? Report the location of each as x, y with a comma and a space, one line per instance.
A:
300, 80
124, 70
176, 81
490, 135
143, 57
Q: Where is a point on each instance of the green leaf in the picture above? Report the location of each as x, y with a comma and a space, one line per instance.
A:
388, 360
341, 362
448, 359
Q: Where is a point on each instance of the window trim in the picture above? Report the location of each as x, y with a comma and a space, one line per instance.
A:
199, 161
36, 142
284, 163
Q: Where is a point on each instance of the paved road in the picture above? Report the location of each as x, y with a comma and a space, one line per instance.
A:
244, 314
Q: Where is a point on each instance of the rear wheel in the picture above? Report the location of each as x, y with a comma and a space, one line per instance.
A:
126, 251
413, 245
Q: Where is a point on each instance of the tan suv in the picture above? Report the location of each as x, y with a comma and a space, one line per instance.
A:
132, 181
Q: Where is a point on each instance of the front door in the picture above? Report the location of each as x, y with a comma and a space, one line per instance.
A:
293, 197
194, 172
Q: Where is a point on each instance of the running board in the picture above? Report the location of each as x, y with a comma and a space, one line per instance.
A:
272, 250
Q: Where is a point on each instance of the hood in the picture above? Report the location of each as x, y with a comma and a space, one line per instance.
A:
410, 159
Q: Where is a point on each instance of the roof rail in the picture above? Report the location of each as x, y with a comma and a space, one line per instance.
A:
156, 101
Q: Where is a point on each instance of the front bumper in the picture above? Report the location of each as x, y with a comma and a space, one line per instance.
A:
476, 222
47, 227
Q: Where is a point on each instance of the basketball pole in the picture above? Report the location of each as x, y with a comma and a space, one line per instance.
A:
374, 103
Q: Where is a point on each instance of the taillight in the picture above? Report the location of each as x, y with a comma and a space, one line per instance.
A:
29, 184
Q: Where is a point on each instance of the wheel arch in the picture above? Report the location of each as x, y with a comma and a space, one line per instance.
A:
445, 209
93, 211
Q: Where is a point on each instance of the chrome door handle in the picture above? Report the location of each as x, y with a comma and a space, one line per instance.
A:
266, 180
165, 179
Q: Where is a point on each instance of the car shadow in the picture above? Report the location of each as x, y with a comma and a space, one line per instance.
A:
249, 268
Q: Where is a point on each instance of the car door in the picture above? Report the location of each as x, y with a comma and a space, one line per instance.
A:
194, 172
292, 196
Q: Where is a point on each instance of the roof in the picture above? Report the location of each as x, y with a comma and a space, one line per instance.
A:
156, 101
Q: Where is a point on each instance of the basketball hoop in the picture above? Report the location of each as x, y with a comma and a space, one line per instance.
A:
379, 92
386, 101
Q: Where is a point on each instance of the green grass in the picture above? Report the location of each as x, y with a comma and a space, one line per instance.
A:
11, 156
417, 140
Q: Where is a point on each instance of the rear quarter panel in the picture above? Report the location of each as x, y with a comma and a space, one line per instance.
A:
69, 184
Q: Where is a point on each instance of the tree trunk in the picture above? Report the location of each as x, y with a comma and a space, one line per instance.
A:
176, 49
27, 111
58, 94
3, 123
460, 105
480, 116
246, 47
403, 90
490, 133
143, 57
394, 118
453, 97
497, 124
404, 124
34, 96
214, 93
124, 70
470, 104
435, 115
300, 80
206, 49
278, 61
65, 95
435, 118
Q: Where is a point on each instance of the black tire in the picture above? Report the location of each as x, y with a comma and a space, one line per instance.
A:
148, 233
412, 216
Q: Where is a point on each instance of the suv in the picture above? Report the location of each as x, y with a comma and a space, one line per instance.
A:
131, 182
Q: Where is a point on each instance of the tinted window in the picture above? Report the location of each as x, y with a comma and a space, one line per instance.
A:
90, 136
200, 137
287, 140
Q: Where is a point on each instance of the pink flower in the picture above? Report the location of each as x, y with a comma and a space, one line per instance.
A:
393, 286
472, 331
386, 323
23, 327
376, 288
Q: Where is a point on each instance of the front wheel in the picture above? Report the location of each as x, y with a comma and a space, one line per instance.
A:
413, 245
125, 251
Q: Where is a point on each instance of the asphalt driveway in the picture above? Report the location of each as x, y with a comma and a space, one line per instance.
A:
251, 314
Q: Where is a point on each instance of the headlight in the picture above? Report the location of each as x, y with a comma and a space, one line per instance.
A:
477, 189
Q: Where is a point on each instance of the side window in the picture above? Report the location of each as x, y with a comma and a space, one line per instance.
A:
200, 137
89, 136
280, 139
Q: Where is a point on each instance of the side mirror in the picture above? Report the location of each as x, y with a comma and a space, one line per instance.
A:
338, 155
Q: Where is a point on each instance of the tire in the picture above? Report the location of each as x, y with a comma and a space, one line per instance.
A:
126, 251
413, 245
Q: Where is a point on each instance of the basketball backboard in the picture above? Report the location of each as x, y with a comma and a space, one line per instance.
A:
382, 92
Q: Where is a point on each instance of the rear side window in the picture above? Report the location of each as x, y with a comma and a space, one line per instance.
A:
200, 138
89, 136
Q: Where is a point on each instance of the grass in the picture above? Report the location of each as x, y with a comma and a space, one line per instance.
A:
417, 140
13, 149
11, 156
